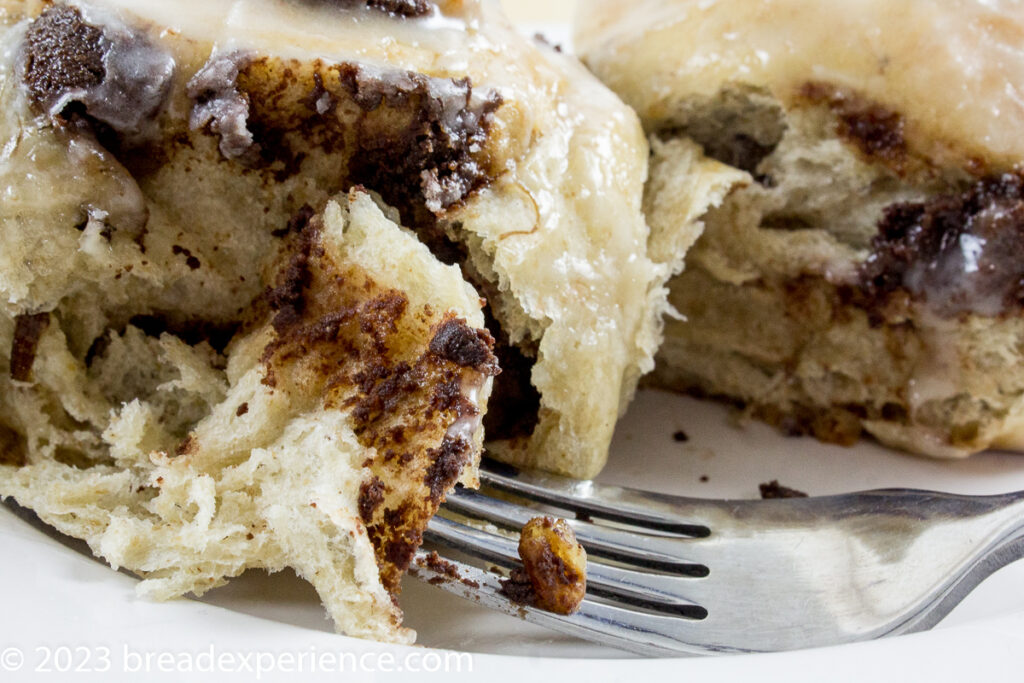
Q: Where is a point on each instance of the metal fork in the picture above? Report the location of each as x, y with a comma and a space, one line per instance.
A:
669, 575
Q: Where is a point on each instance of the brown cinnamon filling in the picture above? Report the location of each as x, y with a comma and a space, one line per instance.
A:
774, 489
28, 330
401, 8
959, 252
62, 53
341, 334
875, 130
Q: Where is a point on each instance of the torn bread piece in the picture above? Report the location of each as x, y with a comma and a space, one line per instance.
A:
865, 274
321, 438
213, 362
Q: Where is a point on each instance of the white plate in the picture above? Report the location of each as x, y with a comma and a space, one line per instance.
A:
55, 596
64, 610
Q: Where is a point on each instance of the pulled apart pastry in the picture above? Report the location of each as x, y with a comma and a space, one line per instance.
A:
865, 273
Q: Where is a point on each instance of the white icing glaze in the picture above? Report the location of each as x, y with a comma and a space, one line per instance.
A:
306, 30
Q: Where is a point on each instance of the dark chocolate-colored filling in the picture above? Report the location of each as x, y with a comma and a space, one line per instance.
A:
418, 142
961, 253
461, 344
288, 297
430, 161
448, 462
402, 8
518, 588
62, 53
13, 450
191, 331
774, 489
28, 330
371, 496
514, 408
405, 8
113, 75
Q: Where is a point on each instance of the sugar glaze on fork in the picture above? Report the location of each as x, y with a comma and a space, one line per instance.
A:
670, 575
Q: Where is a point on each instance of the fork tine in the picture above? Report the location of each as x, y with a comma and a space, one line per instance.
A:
783, 574
658, 592
644, 550
644, 634
686, 516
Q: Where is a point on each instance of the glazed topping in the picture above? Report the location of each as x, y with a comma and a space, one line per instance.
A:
961, 253
219, 105
115, 74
